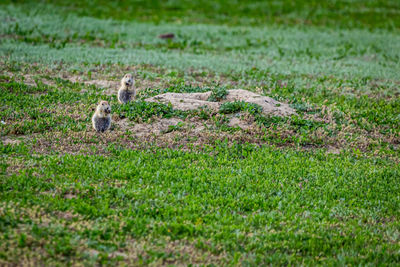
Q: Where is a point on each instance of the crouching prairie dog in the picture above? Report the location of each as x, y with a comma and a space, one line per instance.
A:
126, 92
101, 119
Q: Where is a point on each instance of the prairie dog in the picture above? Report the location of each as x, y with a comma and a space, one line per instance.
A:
101, 119
126, 92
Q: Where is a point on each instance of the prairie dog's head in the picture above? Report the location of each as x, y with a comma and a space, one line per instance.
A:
104, 107
127, 80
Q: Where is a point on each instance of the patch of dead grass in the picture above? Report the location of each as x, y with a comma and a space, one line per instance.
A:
194, 133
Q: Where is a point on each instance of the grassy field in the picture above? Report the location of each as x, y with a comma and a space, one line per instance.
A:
171, 187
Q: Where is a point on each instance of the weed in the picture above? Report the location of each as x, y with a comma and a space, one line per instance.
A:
142, 111
240, 106
218, 94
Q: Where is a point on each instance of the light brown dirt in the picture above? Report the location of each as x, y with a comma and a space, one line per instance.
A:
29, 79
269, 105
145, 129
10, 141
186, 101
237, 122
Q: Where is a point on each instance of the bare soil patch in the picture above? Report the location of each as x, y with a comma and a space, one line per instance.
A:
29, 79
11, 141
164, 133
242, 124
185, 101
143, 129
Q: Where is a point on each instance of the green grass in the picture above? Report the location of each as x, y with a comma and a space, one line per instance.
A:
218, 94
337, 13
240, 106
41, 108
169, 187
142, 111
311, 51
261, 206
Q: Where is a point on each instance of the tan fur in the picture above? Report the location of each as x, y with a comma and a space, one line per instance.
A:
101, 119
127, 91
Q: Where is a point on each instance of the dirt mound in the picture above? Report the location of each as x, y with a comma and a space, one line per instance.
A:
185, 101
191, 101
268, 104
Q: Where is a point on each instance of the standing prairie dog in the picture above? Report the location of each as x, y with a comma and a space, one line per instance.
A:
101, 119
126, 92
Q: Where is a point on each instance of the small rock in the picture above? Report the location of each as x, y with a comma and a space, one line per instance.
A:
167, 36
118, 254
93, 252
9, 141
69, 196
